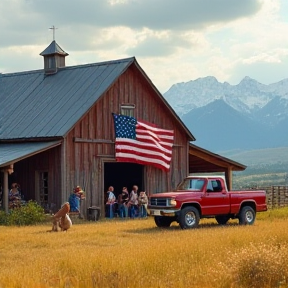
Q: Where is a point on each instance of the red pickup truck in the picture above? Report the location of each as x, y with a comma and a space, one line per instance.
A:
199, 197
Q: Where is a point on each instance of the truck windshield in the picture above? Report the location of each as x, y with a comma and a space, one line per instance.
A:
191, 184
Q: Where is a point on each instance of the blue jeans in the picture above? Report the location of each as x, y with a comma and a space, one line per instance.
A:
123, 210
133, 211
109, 210
143, 212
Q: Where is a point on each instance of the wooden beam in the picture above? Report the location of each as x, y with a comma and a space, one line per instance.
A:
105, 141
100, 141
105, 156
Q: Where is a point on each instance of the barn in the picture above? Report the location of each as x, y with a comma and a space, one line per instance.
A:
57, 131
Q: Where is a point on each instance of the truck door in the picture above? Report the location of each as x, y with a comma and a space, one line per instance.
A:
215, 200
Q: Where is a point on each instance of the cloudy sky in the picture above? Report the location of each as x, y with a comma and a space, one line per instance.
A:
173, 40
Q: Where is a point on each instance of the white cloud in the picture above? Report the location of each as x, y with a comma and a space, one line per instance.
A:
173, 40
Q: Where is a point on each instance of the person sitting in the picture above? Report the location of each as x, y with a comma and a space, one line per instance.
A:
74, 199
14, 196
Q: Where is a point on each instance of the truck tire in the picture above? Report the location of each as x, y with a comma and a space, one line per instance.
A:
222, 219
189, 217
247, 216
162, 221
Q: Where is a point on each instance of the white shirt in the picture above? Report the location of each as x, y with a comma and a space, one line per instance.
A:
111, 197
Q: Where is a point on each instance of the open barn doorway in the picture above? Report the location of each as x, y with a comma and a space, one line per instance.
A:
119, 175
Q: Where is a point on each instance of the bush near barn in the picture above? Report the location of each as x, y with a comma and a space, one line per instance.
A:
29, 214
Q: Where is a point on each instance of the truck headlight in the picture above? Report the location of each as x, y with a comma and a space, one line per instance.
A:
172, 202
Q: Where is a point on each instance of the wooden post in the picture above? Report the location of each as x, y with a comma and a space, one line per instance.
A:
228, 176
6, 170
5, 191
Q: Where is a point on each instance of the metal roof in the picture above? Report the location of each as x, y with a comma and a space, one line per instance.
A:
53, 48
33, 105
210, 157
14, 152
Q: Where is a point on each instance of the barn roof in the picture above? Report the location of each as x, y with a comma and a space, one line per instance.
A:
203, 161
53, 48
13, 152
33, 105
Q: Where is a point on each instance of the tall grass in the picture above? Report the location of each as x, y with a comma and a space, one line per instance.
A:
135, 253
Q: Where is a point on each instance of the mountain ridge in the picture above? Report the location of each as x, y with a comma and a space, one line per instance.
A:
249, 115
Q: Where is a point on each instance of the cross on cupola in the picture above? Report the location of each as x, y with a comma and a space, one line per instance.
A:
53, 28
54, 56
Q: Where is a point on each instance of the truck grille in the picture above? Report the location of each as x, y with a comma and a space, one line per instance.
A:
159, 202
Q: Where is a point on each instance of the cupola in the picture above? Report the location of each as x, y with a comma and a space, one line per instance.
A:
54, 58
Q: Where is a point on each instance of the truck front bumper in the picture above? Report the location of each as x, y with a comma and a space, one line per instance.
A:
163, 212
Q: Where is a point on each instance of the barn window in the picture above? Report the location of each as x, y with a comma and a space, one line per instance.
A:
51, 63
127, 109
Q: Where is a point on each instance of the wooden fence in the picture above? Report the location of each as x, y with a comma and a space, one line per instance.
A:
277, 196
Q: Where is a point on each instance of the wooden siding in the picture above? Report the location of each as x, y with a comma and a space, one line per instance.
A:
25, 174
85, 160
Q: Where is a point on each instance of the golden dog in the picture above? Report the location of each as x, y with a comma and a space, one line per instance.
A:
61, 218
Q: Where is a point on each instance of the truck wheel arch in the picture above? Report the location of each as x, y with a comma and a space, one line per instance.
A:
250, 203
193, 204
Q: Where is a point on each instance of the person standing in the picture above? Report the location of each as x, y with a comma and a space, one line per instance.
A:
110, 204
133, 202
143, 202
123, 199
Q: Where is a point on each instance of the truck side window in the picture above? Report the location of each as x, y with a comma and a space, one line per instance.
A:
209, 186
216, 184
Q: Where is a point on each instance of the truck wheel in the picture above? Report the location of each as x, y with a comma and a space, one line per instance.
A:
222, 219
189, 217
247, 216
162, 221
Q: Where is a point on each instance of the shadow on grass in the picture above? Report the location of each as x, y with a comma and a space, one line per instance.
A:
176, 227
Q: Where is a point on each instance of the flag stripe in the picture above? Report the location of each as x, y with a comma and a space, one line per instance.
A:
155, 129
141, 151
142, 142
153, 143
141, 160
143, 145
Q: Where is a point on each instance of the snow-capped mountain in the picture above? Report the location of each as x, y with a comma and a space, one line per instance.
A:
247, 97
221, 116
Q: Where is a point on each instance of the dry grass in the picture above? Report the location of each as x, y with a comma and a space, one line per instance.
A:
135, 253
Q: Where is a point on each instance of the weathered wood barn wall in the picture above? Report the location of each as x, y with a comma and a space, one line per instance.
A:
27, 171
91, 142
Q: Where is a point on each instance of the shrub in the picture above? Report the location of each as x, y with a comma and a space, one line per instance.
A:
260, 266
29, 214
3, 218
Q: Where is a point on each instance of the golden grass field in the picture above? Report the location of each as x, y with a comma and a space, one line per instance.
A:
135, 253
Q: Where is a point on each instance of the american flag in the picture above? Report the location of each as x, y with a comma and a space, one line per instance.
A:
142, 142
